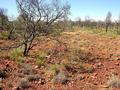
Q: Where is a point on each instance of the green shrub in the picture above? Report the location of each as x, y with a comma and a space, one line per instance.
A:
40, 63
40, 55
53, 69
17, 54
23, 83
40, 58
4, 35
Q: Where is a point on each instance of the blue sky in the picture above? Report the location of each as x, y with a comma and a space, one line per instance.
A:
96, 9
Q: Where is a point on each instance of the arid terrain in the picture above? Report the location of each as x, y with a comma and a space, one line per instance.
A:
75, 60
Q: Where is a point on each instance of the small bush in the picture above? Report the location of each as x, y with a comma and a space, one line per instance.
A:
53, 69
40, 57
39, 63
16, 54
23, 83
4, 35
80, 56
60, 78
26, 69
56, 33
33, 77
114, 82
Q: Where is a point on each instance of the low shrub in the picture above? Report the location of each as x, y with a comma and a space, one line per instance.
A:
17, 54
114, 82
33, 77
53, 69
24, 83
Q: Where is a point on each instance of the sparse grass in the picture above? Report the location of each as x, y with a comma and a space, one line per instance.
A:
17, 55
40, 55
40, 58
40, 63
53, 69
56, 33
4, 35
79, 56
110, 33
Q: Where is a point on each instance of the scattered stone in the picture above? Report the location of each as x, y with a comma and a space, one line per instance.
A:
36, 67
90, 70
98, 65
81, 77
95, 83
117, 63
95, 74
111, 67
41, 81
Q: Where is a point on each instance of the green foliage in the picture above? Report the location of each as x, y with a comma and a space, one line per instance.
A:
40, 63
110, 33
53, 69
55, 33
4, 35
40, 57
17, 54
118, 32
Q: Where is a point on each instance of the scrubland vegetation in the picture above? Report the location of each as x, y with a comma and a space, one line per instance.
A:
42, 49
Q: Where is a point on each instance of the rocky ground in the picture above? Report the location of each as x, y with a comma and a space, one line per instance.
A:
77, 61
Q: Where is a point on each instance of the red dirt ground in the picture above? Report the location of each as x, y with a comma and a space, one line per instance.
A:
105, 54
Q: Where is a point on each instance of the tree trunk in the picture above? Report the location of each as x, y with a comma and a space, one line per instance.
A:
25, 49
28, 46
10, 35
107, 27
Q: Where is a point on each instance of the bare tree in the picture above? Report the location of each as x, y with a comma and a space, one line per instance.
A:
118, 23
3, 17
11, 29
108, 20
38, 16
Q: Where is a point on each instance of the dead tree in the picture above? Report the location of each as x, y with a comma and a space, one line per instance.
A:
108, 20
38, 16
11, 29
3, 17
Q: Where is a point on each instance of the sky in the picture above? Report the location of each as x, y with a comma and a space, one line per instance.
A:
95, 9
